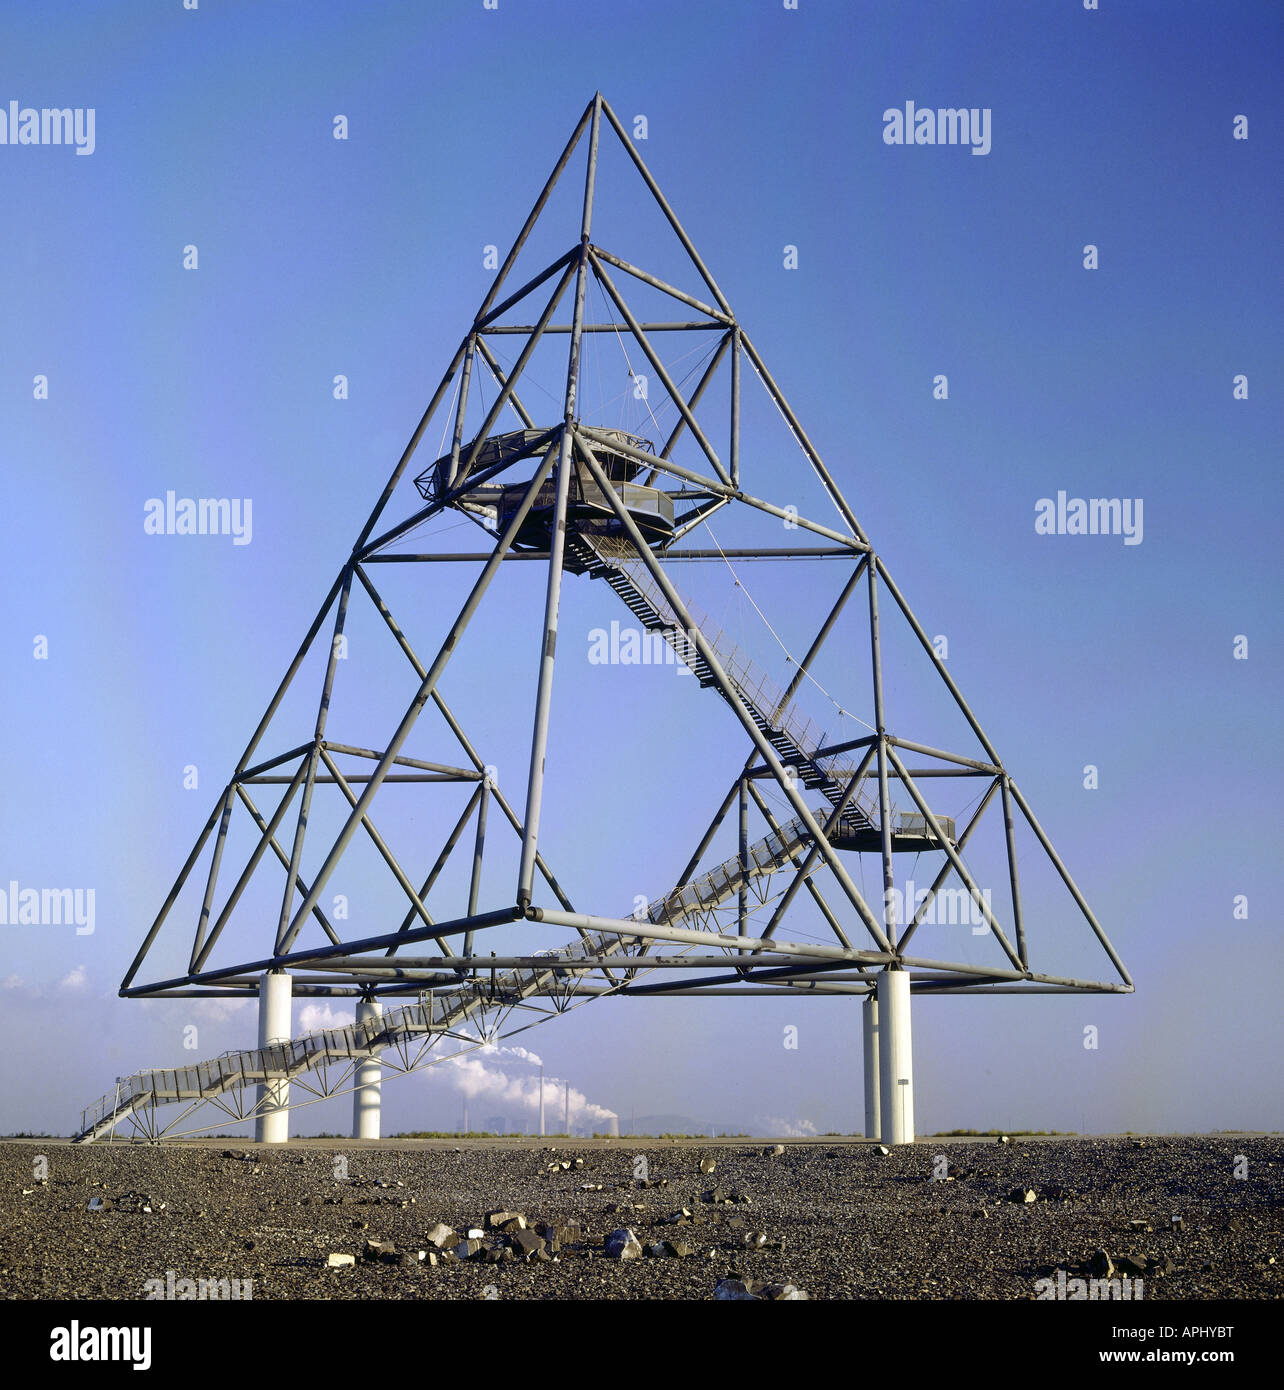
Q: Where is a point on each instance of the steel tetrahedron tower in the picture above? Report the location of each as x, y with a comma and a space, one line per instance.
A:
605, 447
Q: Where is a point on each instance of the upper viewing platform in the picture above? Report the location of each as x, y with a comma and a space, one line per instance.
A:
588, 508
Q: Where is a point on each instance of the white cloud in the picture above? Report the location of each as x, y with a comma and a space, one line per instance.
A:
787, 1129
313, 1017
216, 1010
471, 1075
74, 979
514, 1054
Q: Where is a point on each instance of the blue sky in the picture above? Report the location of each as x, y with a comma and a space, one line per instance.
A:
364, 257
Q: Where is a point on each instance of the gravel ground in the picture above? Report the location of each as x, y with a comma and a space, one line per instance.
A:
854, 1222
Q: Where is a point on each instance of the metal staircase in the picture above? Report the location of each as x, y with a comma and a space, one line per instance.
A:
439, 1015
434, 1014
794, 738
726, 879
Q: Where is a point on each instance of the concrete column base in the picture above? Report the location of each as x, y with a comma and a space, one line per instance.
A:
272, 1122
895, 1058
873, 1109
366, 1098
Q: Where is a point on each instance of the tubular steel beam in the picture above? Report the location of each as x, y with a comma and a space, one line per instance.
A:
802, 875
714, 825
926, 643
460, 556
735, 407
655, 461
532, 342
461, 408
959, 867
517, 328
284, 861
656, 283
808, 448
268, 831
947, 868
766, 751
474, 882
884, 795
806, 523
411, 966
455, 774
1070, 884
458, 627
453, 724
259, 768
502, 381
533, 284
533, 216
649, 931
709, 372
720, 988
660, 370
557, 542
990, 769
1014, 877
804, 872
312, 954
381, 845
216, 860
548, 651
443, 855
667, 210
410, 448
742, 896
305, 799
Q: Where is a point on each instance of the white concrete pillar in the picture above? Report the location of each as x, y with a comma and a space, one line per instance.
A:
366, 1078
895, 1058
873, 1115
272, 1123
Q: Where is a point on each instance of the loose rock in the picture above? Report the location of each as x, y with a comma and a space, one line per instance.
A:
623, 1244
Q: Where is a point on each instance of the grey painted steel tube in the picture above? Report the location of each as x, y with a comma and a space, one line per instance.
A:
557, 543
884, 795
667, 210
313, 954
816, 895
646, 931
926, 644
1071, 885
1014, 877
947, 868
267, 832
959, 867
656, 283
660, 370
421, 697
533, 216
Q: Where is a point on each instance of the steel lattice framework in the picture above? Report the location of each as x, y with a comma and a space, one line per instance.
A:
575, 498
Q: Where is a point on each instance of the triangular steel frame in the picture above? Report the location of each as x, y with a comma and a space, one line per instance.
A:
566, 454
